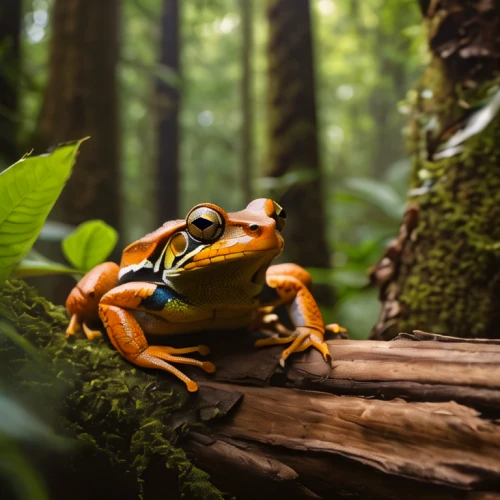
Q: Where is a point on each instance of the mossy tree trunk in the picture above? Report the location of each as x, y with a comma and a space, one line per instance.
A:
10, 31
443, 272
81, 100
293, 136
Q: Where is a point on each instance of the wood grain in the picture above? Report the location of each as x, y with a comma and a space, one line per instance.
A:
417, 417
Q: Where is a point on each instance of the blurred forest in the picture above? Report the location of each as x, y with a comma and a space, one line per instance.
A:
224, 101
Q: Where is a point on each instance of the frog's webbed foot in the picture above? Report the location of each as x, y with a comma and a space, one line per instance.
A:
303, 338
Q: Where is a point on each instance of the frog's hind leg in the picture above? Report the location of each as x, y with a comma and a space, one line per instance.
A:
82, 302
128, 337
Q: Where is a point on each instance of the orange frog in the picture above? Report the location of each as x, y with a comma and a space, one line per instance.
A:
208, 272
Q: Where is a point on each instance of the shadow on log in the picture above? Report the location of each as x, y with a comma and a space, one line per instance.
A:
415, 417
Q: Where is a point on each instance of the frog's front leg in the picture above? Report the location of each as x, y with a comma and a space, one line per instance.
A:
291, 284
128, 337
82, 302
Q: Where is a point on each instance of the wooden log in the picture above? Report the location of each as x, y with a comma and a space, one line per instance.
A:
443, 443
415, 367
413, 418
426, 370
426, 426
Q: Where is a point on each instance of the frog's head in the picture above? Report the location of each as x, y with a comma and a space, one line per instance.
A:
209, 238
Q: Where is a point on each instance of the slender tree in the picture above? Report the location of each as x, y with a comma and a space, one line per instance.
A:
293, 135
81, 100
442, 274
168, 119
246, 7
10, 29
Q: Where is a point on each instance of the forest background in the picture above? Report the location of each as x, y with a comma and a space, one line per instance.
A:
187, 98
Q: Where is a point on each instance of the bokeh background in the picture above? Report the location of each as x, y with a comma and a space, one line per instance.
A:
224, 101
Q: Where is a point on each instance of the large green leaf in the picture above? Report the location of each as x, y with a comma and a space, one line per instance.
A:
28, 191
378, 194
89, 244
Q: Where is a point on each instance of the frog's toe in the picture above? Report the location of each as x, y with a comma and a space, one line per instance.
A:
204, 350
274, 341
208, 366
73, 327
91, 334
201, 349
302, 339
339, 331
191, 385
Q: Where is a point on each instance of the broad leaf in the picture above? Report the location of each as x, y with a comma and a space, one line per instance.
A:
29, 268
28, 191
379, 194
15, 467
89, 244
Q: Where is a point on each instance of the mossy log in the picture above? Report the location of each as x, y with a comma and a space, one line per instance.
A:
415, 417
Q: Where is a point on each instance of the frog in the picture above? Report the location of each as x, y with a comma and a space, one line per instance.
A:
210, 271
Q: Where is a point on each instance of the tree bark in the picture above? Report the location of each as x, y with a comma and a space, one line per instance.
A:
168, 97
10, 55
81, 100
413, 418
443, 272
293, 136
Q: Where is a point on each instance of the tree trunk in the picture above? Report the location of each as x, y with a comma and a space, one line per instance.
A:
168, 120
10, 54
81, 100
443, 272
293, 136
247, 143
413, 418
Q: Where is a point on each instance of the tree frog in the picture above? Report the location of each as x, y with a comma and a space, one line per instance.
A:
210, 271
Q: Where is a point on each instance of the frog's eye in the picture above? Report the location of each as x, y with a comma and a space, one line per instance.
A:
205, 224
279, 216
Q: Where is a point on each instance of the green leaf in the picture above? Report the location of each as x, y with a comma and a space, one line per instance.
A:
89, 244
28, 268
7, 330
28, 191
19, 424
379, 194
25, 480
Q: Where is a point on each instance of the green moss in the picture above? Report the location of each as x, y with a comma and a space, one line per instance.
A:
93, 395
451, 267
